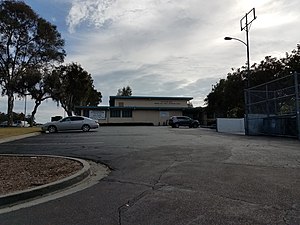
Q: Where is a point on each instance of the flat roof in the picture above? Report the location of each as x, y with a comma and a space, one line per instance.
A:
107, 108
151, 97
93, 107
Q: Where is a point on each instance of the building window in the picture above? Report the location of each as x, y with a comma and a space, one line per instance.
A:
115, 113
127, 113
85, 113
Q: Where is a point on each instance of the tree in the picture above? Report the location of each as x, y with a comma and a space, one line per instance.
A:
125, 91
292, 61
268, 69
37, 85
73, 86
227, 96
27, 43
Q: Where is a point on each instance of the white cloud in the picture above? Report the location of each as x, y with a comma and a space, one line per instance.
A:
89, 10
150, 44
168, 48
152, 32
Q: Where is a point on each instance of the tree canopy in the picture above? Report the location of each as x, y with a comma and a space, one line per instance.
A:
28, 45
125, 91
227, 96
73, 86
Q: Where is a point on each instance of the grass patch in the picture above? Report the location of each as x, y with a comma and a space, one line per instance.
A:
15, 131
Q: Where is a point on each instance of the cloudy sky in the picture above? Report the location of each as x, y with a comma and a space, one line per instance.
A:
164, 47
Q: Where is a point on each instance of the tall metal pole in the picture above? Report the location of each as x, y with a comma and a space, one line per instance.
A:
245, 22
297, 87
245, 26
25, 108
247, 92
248, 54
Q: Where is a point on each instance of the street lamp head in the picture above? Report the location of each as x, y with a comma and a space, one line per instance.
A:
232, 38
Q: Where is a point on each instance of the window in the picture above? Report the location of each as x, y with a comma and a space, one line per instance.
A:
115, 113
75, 118
127, 113
86, 113
66, 119
121, 104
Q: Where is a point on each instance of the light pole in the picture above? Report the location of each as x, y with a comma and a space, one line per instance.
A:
245, 22
248, 55
246, 96
232, 38
25, 107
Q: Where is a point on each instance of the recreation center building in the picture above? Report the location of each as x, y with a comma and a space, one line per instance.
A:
144, 110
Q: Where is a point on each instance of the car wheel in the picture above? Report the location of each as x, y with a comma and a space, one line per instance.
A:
85, 128
52, 129
195, 125
176, 125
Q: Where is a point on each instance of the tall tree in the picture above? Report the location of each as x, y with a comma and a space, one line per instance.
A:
36, 84
73, 86
292, 61
227, 96
27, 42
268, 69
125, 91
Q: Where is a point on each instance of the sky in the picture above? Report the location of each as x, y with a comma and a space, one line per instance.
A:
163, 47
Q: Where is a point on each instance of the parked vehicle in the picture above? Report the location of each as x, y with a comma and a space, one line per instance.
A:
17, 123
4, 124
20, 123
71, 123
176, 121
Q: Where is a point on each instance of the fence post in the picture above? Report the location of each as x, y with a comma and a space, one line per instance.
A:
247, 106
297, 102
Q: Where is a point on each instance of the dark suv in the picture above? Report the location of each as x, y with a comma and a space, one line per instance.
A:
176, 121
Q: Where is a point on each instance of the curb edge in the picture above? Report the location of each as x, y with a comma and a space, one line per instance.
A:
21, 196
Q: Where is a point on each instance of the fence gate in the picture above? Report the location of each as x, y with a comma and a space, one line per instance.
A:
273, 107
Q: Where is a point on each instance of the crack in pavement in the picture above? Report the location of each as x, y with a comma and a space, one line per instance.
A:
277, 208
126, 182
123, 208
286, 218
129, 204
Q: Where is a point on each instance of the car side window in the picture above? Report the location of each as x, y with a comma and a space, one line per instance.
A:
66, 119
76, 118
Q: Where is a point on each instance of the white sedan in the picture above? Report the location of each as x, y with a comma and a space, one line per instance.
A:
71, 123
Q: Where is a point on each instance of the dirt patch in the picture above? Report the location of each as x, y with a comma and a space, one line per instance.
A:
20, 173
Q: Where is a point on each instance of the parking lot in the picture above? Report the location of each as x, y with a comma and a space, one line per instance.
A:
171, 176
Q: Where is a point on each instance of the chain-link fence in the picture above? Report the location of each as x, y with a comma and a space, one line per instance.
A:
273, 107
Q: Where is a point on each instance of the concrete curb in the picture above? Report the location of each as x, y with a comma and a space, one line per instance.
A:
21, 196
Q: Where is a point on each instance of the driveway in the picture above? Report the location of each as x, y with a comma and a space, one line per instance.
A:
165, 176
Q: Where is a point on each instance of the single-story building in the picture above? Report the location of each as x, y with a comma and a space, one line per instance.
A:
137, 110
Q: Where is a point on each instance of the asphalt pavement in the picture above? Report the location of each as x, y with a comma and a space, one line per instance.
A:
166, 176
